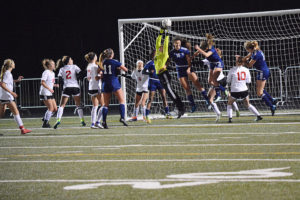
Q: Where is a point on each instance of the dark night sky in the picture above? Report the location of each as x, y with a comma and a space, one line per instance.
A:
33, 30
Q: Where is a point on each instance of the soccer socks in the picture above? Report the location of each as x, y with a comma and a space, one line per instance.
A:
80, 114
166, 110
215, 108
268, 95
60, 112
229, 111
222, 88
236, 108
99, 116
94, 114
253, 110
122, 111
144, 111
204, 94
267, 101
191, 99
19, 121
104, 113
148, 111
136, 111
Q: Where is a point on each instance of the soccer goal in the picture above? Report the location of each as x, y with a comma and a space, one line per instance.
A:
277, 33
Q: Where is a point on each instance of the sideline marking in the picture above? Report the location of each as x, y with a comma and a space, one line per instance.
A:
150, 145
150, 160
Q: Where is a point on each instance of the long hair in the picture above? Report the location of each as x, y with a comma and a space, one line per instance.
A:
62, 62
89, 57
252, 45
8, 63
47, 63
107, 53
208, 43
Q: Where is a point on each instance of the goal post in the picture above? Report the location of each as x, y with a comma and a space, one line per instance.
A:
277, 33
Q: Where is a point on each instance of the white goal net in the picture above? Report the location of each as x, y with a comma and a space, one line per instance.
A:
277, 32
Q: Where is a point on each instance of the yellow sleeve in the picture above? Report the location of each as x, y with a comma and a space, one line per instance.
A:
166, 49
158, 42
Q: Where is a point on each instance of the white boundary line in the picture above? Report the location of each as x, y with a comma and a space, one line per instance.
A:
149, 145
148, 160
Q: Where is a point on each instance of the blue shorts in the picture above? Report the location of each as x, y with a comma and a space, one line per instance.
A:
155, 85
181, 71
213, 65
263, 74
109, 86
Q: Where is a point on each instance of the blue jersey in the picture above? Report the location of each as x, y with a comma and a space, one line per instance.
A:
150, 66
179, 56
259, 57
214, 57
110, 81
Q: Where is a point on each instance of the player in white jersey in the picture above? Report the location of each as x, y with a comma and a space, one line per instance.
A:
142, 92
46, 90
94, 89
68, 74
7, 95
237, 78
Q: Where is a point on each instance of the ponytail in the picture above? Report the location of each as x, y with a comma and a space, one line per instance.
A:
253, 45
8, 63
89, 57
62, 62
208, 43
101, 61
107, 53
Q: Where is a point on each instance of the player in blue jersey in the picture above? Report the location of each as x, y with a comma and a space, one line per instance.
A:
216, 67
154, 84
257, 60
110, 83
181, 56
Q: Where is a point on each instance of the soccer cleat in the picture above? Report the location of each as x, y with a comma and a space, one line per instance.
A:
273, 108
218, 117
180, 113
258, 118
83, 123
169, 116
46, 124
209, 106
230, 120
123, 122
56, 124
148, 120
217, 99
237, 113
193, 108
274, 101
93, 126
98, 125
133, 119
24, 131
104, 125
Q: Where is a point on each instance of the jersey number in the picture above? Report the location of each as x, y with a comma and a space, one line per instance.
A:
107, 68
241, 76
68, 76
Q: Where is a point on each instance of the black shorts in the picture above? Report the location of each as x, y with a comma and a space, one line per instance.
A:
5, 101
141, 93
71, 91
44, 97
94, 92
223, 82
240, 95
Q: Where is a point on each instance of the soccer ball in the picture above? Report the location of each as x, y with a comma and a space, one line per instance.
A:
166, 23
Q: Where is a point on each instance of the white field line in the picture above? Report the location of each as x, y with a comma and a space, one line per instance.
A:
149, 145
29, 136
168, 125
144, 180
150, 160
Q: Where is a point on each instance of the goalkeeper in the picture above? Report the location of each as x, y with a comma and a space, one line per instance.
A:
160, 60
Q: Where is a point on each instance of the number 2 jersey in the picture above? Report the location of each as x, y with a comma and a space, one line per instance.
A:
68, 73
238, 77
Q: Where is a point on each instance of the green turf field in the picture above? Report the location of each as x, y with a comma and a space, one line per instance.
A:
189, 158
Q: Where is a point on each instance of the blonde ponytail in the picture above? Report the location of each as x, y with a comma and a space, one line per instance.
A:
8, 63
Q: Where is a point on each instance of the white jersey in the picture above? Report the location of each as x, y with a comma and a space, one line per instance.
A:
142, 80
92, 72
68, 73
238, 77
9, 81
49, 77
207, 63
